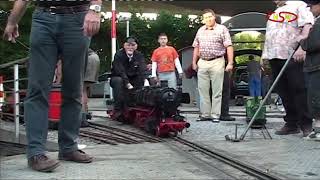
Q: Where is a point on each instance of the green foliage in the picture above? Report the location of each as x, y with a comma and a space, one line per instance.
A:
247, 40
13, 51
6, 5
180, 31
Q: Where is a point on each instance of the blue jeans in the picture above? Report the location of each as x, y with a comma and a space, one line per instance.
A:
255, 85
54, 35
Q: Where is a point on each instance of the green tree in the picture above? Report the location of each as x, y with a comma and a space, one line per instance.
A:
247, 40
180, 31
13, 51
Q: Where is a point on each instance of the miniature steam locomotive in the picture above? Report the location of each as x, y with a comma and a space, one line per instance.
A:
155, 109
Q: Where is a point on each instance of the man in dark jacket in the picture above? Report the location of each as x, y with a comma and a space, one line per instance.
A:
312, 67
128, 72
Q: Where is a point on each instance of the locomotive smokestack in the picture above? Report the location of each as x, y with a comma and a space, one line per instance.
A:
164, 83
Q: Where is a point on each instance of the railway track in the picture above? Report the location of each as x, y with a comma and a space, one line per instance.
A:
113, 136
11, 148
239, 114
246, 168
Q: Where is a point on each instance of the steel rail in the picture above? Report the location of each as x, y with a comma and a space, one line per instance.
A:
110, 137
141, 136
12, 144
253, 171
99, 116
111, 131
239, 115
10, 81
10, 114
97, 138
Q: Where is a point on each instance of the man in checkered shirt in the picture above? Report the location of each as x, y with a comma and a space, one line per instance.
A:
211, 43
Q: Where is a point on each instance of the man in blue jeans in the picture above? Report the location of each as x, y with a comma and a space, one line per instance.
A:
64, 28
254, 73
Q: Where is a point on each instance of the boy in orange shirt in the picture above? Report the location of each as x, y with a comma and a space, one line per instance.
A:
165, 60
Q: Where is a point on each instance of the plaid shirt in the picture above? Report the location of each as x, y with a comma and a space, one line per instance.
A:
212, 42
281, 36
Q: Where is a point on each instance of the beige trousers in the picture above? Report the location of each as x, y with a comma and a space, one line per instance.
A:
210, 71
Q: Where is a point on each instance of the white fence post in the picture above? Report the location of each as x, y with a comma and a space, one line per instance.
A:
16, 101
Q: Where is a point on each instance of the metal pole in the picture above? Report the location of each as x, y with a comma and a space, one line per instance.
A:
268, 94
113, 29
16, 101
1, 93
128, 28
113, 36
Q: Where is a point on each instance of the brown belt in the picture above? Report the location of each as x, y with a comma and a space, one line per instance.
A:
210, 59
64, 9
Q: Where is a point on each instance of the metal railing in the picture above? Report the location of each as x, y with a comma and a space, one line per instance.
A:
15, 92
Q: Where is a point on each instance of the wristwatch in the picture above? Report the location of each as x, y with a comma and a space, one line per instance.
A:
95, 7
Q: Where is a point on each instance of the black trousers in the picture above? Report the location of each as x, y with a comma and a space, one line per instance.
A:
313, 85
292, 90
225, 95
120, 92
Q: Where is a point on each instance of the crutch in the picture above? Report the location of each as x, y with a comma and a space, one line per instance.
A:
227, 137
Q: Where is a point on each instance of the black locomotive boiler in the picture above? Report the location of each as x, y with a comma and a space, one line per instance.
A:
155, 109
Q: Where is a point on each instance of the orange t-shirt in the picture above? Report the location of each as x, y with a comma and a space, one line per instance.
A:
164, 57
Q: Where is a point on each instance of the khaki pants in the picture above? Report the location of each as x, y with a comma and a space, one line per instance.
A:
210, 71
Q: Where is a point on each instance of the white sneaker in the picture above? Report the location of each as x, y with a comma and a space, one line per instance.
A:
81, 146
313, 136
215, 118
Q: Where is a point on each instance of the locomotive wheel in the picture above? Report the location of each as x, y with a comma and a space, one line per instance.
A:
149, 126
175, 134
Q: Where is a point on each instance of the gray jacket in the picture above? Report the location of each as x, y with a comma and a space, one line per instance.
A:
312, 46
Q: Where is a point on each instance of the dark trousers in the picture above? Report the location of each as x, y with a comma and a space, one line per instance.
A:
292, 90
119, 90
313, 85
225, 95
53, 35
265, 86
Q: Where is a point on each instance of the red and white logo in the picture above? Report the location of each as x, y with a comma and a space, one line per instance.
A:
282, 16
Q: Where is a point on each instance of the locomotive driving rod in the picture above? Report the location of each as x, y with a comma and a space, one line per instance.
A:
243, 135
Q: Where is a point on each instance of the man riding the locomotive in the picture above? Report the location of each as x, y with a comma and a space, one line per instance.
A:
128, 72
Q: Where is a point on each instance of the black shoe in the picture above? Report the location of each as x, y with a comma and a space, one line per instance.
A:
285, 130
205, 119
306, 129
227, 118
89, 116
84, 123
117, 115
